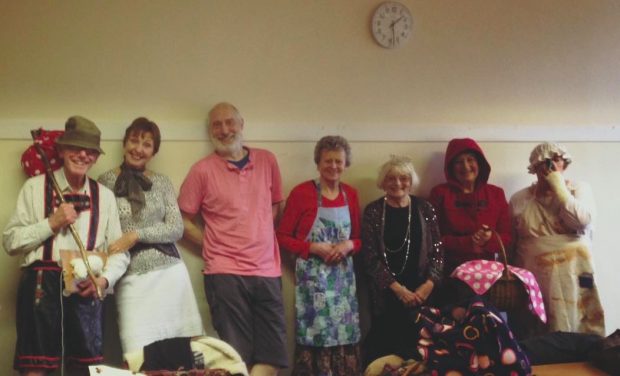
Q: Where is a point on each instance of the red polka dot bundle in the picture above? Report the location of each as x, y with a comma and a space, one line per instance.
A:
31, 160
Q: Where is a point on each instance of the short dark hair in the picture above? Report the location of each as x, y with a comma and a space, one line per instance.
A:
144, 125
332, 143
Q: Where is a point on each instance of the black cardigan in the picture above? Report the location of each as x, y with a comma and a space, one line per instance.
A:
430, 263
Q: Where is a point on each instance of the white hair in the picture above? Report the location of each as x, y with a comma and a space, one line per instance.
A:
401, 165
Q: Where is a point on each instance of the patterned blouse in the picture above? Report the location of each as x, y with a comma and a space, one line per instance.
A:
159, 221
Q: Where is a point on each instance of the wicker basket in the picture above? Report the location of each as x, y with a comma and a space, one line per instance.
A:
508, 292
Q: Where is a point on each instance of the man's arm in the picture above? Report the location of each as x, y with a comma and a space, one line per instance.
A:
27, 228
276, 191
117, 262
191, 231
276, 211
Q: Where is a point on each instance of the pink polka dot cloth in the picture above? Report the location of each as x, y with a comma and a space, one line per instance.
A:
480, 275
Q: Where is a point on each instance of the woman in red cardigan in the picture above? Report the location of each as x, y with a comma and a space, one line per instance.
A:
321, 225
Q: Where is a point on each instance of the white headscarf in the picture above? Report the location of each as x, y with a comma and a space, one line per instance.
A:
548, 150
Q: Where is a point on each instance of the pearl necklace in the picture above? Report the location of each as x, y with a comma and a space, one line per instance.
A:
406, 240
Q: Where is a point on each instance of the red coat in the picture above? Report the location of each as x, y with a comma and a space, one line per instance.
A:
461, 214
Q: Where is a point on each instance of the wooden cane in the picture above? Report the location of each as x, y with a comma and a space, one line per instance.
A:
50, 175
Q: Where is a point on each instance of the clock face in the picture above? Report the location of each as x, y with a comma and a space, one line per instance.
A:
391, 24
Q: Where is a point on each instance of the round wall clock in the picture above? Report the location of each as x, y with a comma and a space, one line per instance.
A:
391, 24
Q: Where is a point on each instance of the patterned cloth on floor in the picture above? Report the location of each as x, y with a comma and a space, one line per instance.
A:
472, 341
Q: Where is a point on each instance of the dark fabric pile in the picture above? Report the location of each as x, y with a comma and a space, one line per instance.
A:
467, 341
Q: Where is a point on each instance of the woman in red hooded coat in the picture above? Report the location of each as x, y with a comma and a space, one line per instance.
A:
468, 208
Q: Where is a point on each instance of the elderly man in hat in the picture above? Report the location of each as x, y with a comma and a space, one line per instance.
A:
51, 324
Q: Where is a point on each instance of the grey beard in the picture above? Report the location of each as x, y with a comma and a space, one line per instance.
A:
231, 149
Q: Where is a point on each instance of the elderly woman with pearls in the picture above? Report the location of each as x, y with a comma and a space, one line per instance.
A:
554, 221
403, 257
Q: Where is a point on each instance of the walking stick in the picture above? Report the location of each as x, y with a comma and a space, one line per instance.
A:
50, 175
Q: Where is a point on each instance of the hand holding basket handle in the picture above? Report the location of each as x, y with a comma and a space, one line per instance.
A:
50, 175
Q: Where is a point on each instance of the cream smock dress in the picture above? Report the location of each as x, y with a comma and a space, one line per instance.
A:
554, 242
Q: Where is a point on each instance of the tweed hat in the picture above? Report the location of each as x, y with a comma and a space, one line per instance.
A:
82, 133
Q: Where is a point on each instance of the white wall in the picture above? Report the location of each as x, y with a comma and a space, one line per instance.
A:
507, 73
294, 64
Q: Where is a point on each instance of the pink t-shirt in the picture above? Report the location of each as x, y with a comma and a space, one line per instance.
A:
236, 206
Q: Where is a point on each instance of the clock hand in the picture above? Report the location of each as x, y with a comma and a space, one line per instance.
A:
396, 21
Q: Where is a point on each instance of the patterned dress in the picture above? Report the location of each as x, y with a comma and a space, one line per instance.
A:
327, 318
155, 299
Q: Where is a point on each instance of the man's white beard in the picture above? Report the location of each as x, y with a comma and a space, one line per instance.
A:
228, 149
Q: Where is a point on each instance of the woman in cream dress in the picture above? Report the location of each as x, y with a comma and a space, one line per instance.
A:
554, 221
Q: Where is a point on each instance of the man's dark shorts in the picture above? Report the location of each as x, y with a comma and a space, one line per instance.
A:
41, 312
248, 313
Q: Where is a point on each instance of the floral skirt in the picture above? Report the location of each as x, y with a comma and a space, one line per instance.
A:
327, 361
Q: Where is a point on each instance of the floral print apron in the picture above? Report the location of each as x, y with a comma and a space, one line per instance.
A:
325, 295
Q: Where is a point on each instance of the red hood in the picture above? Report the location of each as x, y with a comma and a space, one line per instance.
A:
458, 145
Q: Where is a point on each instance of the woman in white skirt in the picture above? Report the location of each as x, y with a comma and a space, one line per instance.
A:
157, 310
